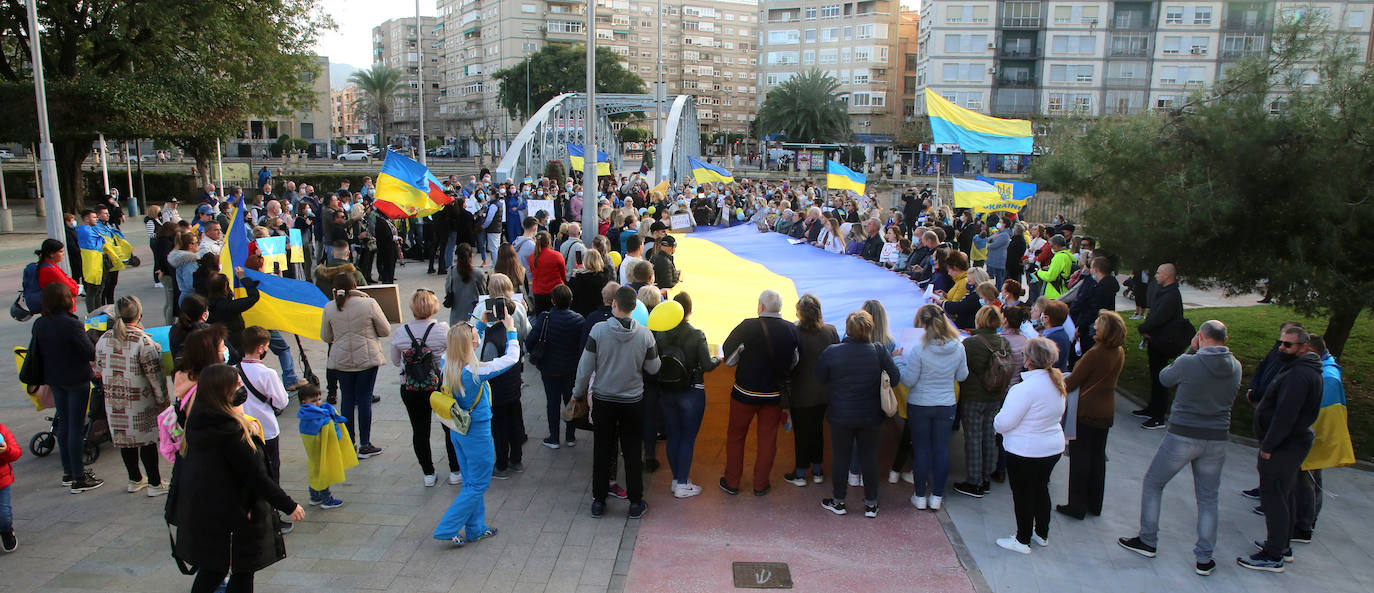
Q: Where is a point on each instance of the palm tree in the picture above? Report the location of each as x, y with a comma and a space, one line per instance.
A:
806, 108
377, 88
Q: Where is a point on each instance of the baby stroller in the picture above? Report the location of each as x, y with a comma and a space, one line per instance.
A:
45, 442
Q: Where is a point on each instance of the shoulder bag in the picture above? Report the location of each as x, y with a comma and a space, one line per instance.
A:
887, 397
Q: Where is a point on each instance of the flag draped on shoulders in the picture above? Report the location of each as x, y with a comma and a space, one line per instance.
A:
1332, 446
328, 449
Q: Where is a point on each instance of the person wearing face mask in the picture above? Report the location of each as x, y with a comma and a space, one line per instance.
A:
1097, 293
491, 224
515, 210
997, 250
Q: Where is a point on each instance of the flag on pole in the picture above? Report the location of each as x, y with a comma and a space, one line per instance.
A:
406, 189
975, 132
838, 176
705, 172
575, 154
292, 306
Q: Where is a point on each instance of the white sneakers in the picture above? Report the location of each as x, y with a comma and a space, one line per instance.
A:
1043, 542
684, 490
158, 490
919, 502
455, 478
907, 477
935, 502
1010, 543
430, 480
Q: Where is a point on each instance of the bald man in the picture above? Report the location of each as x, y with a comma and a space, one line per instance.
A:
1166, 332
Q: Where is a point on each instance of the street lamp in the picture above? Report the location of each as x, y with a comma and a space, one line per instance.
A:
528, 57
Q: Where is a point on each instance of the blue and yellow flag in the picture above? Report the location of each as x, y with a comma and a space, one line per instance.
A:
575, 153
985, 194
328, 449
235, 249
838, 176
273, 252
975, 132
92, 246
406, 189
705, 172
292, 306
1332, 447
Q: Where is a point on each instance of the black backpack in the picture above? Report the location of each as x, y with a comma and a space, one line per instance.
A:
505, 388
421, 370
673, 374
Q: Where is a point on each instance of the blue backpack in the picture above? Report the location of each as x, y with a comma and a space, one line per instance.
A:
30, 300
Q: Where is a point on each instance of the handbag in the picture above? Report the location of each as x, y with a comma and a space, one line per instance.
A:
31, 372
887, 397
539, 347
450, 413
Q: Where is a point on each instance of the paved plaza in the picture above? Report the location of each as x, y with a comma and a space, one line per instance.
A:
108, 540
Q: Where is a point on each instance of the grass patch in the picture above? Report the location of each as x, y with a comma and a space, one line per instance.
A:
1253, 331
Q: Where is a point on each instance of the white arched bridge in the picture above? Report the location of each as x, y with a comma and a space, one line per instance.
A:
561, 121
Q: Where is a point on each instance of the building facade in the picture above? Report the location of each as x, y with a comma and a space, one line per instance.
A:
1020, 58
313, 125
710, 50
348, 121
856, 42
397, 43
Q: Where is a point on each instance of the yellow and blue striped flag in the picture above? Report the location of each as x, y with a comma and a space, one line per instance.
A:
1332, 446
704, 172
575, 154
975, 132
838, 176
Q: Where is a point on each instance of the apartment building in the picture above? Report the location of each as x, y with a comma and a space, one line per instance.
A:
710, 50
347, 121
856, 42
397, 43
1020, 58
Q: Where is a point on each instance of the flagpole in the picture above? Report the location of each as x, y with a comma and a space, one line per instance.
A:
219, 165
104, 166
420, 81
51, 196
589, 154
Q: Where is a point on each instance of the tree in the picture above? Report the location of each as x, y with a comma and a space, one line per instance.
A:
1262, 179
807, 108
629, 134
378, 87
558, 69
188, 72
433, 143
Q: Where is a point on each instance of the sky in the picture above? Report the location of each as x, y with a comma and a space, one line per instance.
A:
351, 43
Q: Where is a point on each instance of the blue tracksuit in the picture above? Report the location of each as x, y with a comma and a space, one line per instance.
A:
475, 451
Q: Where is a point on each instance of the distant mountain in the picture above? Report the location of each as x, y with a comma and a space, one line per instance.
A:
339, 73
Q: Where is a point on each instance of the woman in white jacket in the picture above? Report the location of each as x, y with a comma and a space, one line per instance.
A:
1034, 440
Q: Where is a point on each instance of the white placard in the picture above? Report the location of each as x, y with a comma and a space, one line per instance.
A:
532, 207
681, 221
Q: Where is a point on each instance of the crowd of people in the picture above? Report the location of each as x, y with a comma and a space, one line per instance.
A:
1018, 328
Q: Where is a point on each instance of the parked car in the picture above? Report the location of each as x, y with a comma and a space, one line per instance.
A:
355, 155
5, 154
442, 151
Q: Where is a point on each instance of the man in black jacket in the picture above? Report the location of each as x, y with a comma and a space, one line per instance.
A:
873, 245
1162, 330
1283, 425
763, 350
1098, 292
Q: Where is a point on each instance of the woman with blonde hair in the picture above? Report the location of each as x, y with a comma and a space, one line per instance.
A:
1095, 378
507, 415
129, 363
587, 281
419, 378
930, 371
831, 239
1031, 433
465, 378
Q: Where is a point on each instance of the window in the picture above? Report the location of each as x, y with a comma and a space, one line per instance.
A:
1065, 73
1055, 103
1202, 15
863, 32
809, 35
877, 99
1021, 14
966, 43
846, 33
963, 72
830, 12
860, 76
1083, 103
1073, 44
527, 8
844, 55
811, 14
781, 57
1173, 15
830, 34
809, 57
1062, 15
1165, 101
1171, 45
954, 14
830, 56
980, 14
1168, 75
1199, 46
784, 37
1354, 19
530, 47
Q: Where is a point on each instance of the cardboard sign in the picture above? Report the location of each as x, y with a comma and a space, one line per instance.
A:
388, 297
273, 251
533, 207
681, 221
295, 246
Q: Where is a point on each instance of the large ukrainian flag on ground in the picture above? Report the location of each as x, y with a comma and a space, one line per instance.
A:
406, 189
704, 172
1332, 447
287, 305
725, 270
975, 132
575, 154
839, 177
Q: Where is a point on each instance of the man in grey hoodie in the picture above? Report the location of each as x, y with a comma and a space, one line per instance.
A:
619, 352
1207, 377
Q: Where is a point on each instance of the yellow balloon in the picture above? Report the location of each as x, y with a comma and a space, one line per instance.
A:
652, 210
667, 315
615, 258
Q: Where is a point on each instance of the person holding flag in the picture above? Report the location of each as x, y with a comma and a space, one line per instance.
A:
1330, 448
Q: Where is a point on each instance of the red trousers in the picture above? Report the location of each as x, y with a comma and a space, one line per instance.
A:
741, 415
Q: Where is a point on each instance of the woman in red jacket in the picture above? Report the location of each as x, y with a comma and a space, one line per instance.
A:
546, 271
10, 450
50, 255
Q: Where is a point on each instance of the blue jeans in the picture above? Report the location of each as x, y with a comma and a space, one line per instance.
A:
999, 275
1206, 458
355, 391
930, 428
6, 511
682, 411
487, 244
557, 392
448, 248
319, 495
279, 347
477, 456
70, 402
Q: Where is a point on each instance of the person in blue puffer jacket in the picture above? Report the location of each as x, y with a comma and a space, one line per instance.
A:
558, 333
466, 378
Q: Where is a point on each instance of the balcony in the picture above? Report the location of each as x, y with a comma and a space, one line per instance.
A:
566, 31
1019, 53
1017, 82
1129, 45
1028, 22
1128, 83
1235, 47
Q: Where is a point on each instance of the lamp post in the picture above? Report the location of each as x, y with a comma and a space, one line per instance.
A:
528, 57
420, 79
